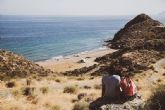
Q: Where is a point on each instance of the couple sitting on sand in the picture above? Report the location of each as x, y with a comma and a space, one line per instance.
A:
118, 87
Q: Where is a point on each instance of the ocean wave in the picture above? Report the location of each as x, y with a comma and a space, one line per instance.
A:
57, 57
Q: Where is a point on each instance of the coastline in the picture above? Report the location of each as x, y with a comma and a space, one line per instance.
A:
75, 61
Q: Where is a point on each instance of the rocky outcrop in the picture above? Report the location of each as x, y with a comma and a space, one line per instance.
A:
13, 66
140, 33
141, 43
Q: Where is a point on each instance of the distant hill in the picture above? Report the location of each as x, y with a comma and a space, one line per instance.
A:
141, 42
140, 32
15, 66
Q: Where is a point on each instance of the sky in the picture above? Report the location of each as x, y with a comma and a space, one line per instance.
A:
81, 7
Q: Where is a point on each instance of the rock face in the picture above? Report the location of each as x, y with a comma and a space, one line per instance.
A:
140, 32
13, 66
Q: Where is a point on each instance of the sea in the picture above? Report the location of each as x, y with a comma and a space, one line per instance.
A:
40, 38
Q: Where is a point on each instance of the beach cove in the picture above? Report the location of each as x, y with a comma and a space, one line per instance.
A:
77, 61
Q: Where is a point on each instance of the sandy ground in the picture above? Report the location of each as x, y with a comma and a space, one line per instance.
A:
149, 80
13, 99
56, 99
71, 62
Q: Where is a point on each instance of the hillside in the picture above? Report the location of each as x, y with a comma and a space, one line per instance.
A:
15, 66
141, 43
140, 32
139, 48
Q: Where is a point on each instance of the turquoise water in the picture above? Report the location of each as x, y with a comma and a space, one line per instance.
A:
42, 38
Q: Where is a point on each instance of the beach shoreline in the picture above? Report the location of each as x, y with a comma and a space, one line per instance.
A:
75, 61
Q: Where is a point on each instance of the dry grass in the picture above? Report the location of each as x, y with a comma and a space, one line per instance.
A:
58, 80
156, 101
97, 86
55, 107
47, 94
15, 92
71, 89
44, 90
81, 106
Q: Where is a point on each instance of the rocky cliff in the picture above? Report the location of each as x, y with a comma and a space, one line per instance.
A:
13, 66
141, 43
140, 32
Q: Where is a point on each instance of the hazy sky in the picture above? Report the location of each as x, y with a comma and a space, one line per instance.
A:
81, 7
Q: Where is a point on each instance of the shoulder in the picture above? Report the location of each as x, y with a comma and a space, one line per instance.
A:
116, 77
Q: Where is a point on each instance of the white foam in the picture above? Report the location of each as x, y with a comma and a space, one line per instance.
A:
76, 55
57, 57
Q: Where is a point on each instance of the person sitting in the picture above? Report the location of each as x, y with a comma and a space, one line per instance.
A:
111, 87
128, 88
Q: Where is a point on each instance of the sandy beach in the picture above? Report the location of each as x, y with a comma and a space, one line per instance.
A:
73, 61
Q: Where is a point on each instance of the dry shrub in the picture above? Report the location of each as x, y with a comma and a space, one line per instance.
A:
58, 80
44, 90
91, 78
87, 87
156, 101
28, 91
81, 106
80, 78
15, 92
97, 86
10, 84
81, 96
70, 89
28, 82
55, 107
74, 100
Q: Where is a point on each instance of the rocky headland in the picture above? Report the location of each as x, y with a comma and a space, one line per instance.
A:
16, 66
140, 44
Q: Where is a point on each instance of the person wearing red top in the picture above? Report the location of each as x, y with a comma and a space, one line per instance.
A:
128, 88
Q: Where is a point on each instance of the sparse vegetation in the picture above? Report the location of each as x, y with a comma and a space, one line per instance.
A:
58, 80
15, 92
16, 66
156, 102
80, 78
87, 87
97, 86
44, 90
10, 84
81, 96
55, 107
70, 89
28, 82
27, 91
81, 106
